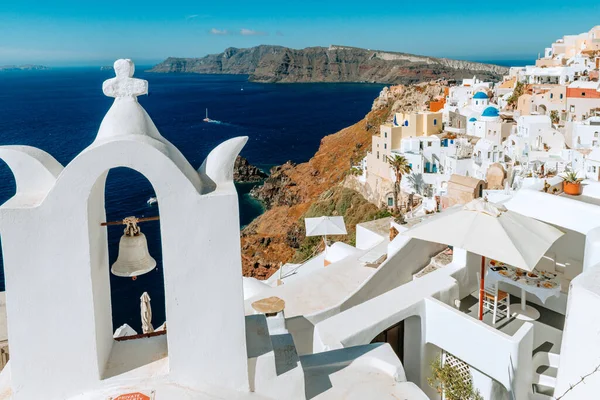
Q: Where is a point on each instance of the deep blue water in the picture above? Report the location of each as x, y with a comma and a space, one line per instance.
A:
60, 111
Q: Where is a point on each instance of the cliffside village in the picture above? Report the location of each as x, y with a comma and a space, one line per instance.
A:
489, 290
538, 122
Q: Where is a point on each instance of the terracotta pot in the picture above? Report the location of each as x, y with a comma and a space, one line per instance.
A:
573, 189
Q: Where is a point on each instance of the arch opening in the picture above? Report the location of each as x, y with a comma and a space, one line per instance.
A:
124, 192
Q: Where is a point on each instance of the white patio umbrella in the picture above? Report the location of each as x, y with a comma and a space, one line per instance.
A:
489, 230
323, 226
146, 313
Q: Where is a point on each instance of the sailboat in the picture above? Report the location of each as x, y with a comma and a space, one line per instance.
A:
208, 119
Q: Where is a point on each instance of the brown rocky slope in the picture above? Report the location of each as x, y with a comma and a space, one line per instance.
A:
293, 192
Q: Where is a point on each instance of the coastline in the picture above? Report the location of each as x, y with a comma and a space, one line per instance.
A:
250, 207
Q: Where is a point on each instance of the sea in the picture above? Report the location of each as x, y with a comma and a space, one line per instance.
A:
60, 110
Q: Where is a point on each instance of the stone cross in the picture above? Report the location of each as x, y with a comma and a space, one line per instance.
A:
124, 85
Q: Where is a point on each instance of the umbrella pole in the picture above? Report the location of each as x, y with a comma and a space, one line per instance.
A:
325, 242
481, 288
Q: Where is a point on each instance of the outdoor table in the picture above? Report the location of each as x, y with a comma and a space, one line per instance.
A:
541, 284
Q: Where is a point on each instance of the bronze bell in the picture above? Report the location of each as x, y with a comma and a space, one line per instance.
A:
134, 258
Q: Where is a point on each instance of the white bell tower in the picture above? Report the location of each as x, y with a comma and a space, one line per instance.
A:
56, 261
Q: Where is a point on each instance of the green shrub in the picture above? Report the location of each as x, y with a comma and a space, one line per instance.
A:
449, 381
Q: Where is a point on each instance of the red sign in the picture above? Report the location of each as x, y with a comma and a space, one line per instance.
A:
133, 396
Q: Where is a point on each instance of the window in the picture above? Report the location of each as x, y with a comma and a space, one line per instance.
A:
378, 155
451, 141
582, 94
489, 155
561, 96
384, 134
385, 145
572, 109
434, 122
595, 134
551, 95
390, 201
429, 144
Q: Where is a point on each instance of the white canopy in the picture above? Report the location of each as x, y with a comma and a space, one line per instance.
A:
490, 230
324, 226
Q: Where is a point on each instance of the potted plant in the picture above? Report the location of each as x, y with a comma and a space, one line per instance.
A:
572, 183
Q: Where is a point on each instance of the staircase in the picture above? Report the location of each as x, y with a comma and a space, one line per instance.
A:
273, 364
544, 383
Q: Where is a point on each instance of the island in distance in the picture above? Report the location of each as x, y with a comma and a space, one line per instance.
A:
329, 64
25, 67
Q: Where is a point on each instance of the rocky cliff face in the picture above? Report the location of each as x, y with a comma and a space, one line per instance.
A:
293, 192
231, 61
244, 172
333, 64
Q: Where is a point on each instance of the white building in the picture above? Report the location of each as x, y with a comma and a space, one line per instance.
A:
486, 153
422, 153
586, 134
583, 100
456, 156
489, 126
460, 96
592, 165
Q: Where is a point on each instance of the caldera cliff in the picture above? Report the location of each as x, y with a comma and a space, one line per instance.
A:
329, 64
314, 188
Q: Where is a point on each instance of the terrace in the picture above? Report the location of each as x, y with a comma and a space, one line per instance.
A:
547, 337
514, 355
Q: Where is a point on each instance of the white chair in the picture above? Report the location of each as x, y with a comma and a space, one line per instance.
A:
496, 301
567, 269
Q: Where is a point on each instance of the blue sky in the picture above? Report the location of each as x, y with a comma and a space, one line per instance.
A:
82, 32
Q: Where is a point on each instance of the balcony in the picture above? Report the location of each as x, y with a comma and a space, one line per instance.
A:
458, 131
547, 338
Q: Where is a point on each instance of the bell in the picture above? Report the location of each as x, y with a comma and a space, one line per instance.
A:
134, 258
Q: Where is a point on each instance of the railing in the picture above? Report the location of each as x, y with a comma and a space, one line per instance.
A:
455, 130
301, 264
140, 336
